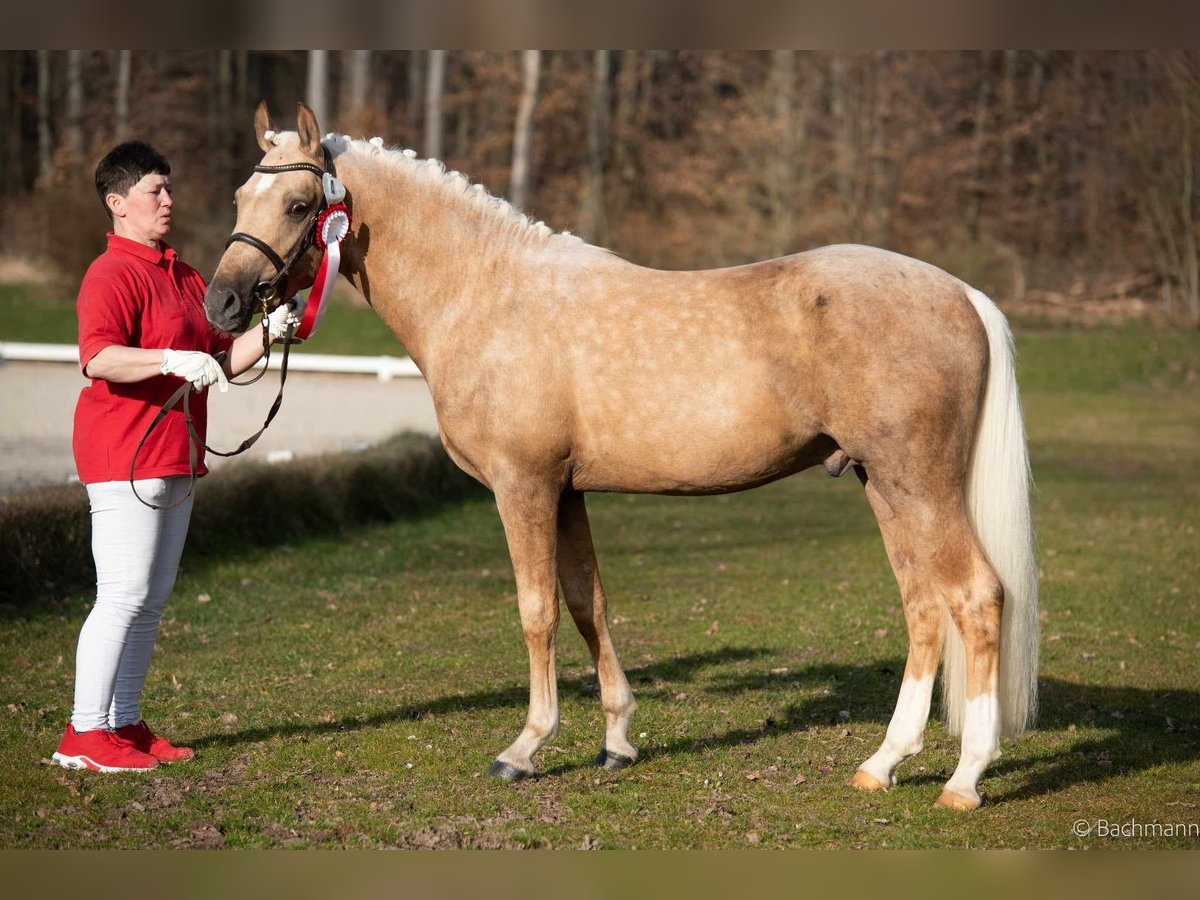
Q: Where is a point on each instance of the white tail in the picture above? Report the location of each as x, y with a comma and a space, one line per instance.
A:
998, 487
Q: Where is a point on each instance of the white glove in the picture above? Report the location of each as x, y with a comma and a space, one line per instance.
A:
194, 366
285, 314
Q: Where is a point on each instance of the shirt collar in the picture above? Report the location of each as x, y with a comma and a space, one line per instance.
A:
141, 251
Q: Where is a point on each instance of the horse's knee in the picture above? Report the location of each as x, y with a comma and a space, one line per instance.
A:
980, 610
539, 617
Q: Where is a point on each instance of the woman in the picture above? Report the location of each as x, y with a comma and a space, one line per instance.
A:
141, 331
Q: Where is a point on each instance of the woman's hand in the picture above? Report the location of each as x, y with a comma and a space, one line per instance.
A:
194, 366
285, 314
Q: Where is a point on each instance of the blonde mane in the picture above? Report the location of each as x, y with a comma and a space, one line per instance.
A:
450, 186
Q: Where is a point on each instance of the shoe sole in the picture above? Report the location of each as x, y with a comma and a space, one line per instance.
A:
86, 762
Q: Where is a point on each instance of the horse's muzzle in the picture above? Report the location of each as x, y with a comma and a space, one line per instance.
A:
226, 309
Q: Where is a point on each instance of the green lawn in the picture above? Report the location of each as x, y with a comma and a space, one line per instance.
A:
47, 315
350, 692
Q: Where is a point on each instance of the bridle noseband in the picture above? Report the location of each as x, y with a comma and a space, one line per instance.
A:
266, 291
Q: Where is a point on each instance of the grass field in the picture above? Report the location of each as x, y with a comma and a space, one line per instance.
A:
46, 314
351, 691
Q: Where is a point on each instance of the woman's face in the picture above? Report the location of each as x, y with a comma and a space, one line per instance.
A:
144, 214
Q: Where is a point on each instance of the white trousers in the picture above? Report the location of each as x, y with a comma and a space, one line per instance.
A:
137, 552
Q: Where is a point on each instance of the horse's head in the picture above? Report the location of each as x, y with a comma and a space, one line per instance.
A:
271, 254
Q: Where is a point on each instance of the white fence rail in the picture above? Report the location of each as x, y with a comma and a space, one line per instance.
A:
385, 368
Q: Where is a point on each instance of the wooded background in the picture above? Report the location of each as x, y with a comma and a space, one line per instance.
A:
1054, 180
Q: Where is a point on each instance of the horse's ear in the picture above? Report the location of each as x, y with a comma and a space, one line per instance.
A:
262, 124
310, 134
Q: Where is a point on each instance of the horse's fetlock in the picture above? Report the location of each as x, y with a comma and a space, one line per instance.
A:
908, 748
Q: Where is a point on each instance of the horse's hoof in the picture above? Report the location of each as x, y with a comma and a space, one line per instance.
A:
614, 762
864, 781
507, 771
953, 800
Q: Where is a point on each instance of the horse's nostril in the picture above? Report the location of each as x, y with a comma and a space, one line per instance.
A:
229, 303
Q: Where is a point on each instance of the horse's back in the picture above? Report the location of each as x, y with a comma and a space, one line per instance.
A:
698, 382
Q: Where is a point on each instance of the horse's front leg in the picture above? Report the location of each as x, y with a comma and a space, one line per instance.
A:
530, 515
580, 578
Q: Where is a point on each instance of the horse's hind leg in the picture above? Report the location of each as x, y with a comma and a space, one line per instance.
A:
976, 609
940, 566
923, 614
580, 578
529, 511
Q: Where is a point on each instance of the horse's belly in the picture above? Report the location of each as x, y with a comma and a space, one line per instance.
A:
706, 448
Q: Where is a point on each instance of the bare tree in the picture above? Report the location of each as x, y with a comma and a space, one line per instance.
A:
124, 74
518, 191
594, 222
416, 90
74, 142
1008, 125
45, 134
13, 70
782, 167
433, 103
978, 144
357, 87
1169, 184
317, 91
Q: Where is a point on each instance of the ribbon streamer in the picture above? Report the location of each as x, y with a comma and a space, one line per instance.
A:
332, 228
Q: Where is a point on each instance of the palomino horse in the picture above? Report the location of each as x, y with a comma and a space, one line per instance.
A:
558, 368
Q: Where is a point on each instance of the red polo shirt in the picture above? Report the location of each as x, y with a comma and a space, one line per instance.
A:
136, 296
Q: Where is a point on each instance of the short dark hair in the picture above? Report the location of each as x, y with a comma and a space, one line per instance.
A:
124, 166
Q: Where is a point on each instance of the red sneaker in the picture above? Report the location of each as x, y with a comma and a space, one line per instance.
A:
101, 751
143, 739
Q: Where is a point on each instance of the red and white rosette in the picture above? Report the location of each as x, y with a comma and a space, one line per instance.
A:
332, 227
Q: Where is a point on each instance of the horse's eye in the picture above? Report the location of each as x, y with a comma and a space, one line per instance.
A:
298, 209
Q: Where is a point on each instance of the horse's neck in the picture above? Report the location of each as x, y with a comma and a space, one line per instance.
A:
429, 267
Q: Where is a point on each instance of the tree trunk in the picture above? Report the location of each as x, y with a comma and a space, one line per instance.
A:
433, 104
884, 151
75, 141
1041, 175
1189, 268
518, 191
781, 166
241, 76
358, 85
594, 222
45, 135
12, 99
975, 209
124, 75
317, 91
1008, 97
623, 141
416, 93
227, 113
845, 155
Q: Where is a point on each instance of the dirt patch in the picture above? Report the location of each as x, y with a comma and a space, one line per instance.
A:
439, 837
202, 836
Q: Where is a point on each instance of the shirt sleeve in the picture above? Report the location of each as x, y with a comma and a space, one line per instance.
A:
107, 316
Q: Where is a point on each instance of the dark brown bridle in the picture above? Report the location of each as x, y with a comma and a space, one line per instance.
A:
267, 290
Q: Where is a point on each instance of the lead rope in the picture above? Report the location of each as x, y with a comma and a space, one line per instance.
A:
195, 443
